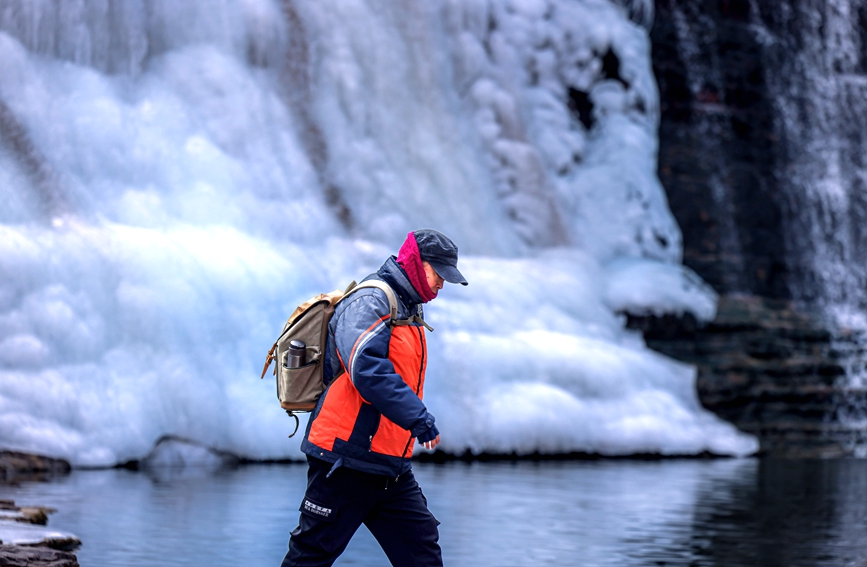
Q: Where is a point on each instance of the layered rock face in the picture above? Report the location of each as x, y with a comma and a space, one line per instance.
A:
761, 154
767, 367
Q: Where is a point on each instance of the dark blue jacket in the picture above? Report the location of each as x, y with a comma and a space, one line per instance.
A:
369, 416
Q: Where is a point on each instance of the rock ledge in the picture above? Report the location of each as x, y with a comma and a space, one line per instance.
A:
25, 541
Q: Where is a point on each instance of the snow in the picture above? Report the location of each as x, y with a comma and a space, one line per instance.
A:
167, 206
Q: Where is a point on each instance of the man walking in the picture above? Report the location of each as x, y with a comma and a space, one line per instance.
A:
360, 437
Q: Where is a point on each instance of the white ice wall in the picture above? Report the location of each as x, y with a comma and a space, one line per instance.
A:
176, 177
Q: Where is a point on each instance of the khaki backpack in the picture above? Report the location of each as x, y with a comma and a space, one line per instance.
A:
299, 388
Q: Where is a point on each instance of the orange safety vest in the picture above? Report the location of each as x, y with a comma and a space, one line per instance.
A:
337, 417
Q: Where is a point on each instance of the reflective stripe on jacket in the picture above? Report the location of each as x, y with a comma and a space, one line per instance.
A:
370, 415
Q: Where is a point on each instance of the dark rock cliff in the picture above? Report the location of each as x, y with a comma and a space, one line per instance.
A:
756, 102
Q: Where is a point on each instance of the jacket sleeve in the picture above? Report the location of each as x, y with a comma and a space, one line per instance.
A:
362, 336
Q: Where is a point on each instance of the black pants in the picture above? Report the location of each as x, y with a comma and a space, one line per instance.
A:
395, 512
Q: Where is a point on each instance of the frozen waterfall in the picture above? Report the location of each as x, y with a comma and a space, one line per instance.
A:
176, 177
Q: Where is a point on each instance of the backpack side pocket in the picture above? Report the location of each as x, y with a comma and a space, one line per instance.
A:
299, 388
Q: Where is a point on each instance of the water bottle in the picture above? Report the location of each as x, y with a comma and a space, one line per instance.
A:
296, 354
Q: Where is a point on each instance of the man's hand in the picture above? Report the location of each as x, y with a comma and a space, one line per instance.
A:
429, 445
430, 438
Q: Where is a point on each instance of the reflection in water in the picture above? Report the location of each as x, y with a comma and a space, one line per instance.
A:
591, 513
790, 513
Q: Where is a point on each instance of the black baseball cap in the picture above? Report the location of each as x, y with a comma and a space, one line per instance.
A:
441, 253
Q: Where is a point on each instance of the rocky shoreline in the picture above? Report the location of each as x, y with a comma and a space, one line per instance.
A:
25, 541
772, 369
16, 466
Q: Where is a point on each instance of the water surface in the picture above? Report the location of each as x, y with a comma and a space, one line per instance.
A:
747, 512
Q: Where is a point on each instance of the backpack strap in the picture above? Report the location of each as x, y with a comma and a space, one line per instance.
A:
392, 303
413, 319
386, 289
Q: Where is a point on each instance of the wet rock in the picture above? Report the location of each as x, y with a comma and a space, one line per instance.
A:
36, 536
16, 466
740, 121
719, 159
24, 539
21, 556
27, 514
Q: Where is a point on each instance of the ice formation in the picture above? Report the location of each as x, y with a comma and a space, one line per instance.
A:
176, 177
